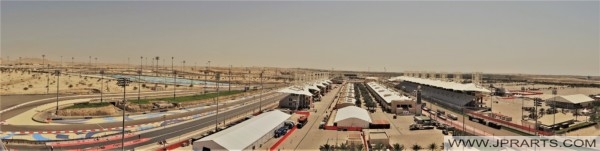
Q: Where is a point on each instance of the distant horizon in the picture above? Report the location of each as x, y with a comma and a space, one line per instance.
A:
504, 37
338, 70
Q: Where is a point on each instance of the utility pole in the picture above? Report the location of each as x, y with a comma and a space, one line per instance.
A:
123, 82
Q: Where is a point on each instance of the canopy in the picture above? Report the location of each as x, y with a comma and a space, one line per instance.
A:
295, 90
312, 86
574, 99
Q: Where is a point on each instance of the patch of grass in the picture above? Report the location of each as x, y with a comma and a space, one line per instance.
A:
88, 105
575, 127
187, 98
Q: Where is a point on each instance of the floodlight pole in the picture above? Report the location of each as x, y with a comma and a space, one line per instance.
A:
140, 77
101, 84
217, 78
57, 72
261, 92
174, 77
124, 82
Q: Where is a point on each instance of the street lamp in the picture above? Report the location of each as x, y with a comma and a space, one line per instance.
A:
217, 78
101, 84
123, 82
57, 73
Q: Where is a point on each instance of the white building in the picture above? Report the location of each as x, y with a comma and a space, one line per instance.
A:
248, 135
352, 116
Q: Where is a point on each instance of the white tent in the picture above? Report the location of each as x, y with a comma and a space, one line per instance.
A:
573, 99
246, 135
352, 116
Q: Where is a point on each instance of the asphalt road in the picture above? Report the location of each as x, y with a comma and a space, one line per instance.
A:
106, 125
171, 132
13, 100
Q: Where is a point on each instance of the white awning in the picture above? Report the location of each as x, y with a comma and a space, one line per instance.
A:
295, 90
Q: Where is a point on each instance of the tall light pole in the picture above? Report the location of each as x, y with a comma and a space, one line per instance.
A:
174, 77
205, 77
554, 107
57, 73
229, 78
140, 77
123, 82
96, 62
43, 59
73, 61
101, 84
261, 92
48, 79
217, 78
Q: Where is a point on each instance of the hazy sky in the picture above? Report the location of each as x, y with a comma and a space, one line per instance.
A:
498, 37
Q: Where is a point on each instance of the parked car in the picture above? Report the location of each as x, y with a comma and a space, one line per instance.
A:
452, 116
300, 125
443, 117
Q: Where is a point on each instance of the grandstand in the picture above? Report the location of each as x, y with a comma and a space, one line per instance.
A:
450, 94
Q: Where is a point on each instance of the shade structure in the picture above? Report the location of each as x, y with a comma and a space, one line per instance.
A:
295, 90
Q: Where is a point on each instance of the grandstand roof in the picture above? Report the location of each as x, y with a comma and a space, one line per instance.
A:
575, 99
251, 130
352, 112
387, 94
443, 84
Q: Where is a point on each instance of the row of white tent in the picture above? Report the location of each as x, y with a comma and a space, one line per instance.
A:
302, 89
442, 84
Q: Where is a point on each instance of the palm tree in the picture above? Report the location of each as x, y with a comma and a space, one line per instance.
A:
325, 147
343, 146
432, 146
378, 146
398, 147
416, 147
359, 147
